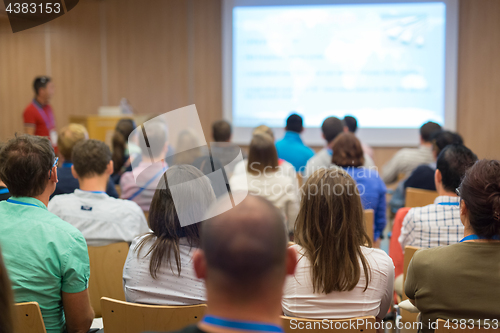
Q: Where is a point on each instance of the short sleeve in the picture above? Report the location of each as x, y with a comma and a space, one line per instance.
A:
76, 269
29, 116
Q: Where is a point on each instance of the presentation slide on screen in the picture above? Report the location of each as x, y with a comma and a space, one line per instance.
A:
382, 63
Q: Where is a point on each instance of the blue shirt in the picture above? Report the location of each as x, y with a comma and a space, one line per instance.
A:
372, 191
293, 150
68, 184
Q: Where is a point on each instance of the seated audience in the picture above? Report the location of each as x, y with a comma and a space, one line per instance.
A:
159, 269
139, 185
348, 154
46, 257
101, 219
6, 300
352, 126
291, 148
331, 128
265, 178
408, 159
68, 137
439, 223
222, 149
338, 274
244, 261
122, 161
188, 148
460, 281
4, 191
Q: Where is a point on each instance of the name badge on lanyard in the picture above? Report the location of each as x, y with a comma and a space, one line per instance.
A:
49, 122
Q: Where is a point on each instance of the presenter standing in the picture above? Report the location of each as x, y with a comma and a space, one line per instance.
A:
38, 116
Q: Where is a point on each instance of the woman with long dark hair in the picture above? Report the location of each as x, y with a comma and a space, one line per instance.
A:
119, 144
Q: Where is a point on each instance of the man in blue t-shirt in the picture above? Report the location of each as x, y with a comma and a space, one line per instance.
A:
291, 148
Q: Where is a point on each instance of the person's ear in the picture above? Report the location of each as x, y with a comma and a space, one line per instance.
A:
464, 212
73, 172
200, 264
110, 168
291, 260
346, 129
53, 176
438, 178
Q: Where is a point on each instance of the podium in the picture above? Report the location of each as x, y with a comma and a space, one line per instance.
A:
102, 127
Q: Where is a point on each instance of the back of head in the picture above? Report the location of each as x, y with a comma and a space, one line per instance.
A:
221, 131
330, 229
25, 162
68, 137
480, 191
155, 140
428, 129
331, 128
351, 123
452, 162
294, 123
193, 196
245, 250
347, 151
441, 139
6, 300
187, 149
40, 82
262, 153
90, 158
263, 129
123, 130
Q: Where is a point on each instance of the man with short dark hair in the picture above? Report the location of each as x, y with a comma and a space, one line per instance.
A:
244, 261
223, 150
407, 159
291, 148
439, 223
47, 258
351, 125
38, 116
221, 131
101, 219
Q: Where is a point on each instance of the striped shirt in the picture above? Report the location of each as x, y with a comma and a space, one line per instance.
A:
405, 161
433, 225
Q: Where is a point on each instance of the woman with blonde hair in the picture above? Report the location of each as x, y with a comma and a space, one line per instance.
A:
338, 274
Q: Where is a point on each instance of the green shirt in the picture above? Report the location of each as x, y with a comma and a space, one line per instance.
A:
458, 281
44, 255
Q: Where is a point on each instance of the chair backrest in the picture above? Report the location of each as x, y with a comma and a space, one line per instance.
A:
416, 197
409, 252
362, 324
300, 179
146, 215
28, 318
448, 326
369, 220
118, 190
106, 273
124, 317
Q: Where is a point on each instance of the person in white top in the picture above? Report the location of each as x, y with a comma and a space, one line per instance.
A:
265, 178
349, 278
159, 268
100, 218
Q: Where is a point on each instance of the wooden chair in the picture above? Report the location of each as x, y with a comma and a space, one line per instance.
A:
146, 214
369, 220
28, 318
123, 317
291, 325
118, 190
408, 255
416, 197
455, 327
106, 273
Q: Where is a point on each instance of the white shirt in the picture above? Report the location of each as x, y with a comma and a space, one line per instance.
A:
276, 187
100, 218
433, 225
405, 161
323, 160
168, 288
299, 300
286, 167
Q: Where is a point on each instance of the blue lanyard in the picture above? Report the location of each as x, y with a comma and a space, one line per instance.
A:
4, 191
21, 203
449, 203
95, 191
67, 165
241, 325
48, 122
139, 191
474, 237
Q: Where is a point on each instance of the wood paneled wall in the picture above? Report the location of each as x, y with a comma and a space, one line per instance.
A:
165, 54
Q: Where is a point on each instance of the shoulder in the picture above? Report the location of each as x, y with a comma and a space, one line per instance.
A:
62, 230
59, 200
379, 257
430, 256
125, 206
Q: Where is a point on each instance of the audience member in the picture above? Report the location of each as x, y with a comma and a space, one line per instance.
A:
6, 300
439, 223
222, 149
348, 154
158, 269
207, 165
331, 128
265, 178
460, 281
139, 185
122, 161
291, 148
68, 137
101, 219
47, 258
352, 126
4, 191
407, 159
244, 261
188, 148
338, 274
